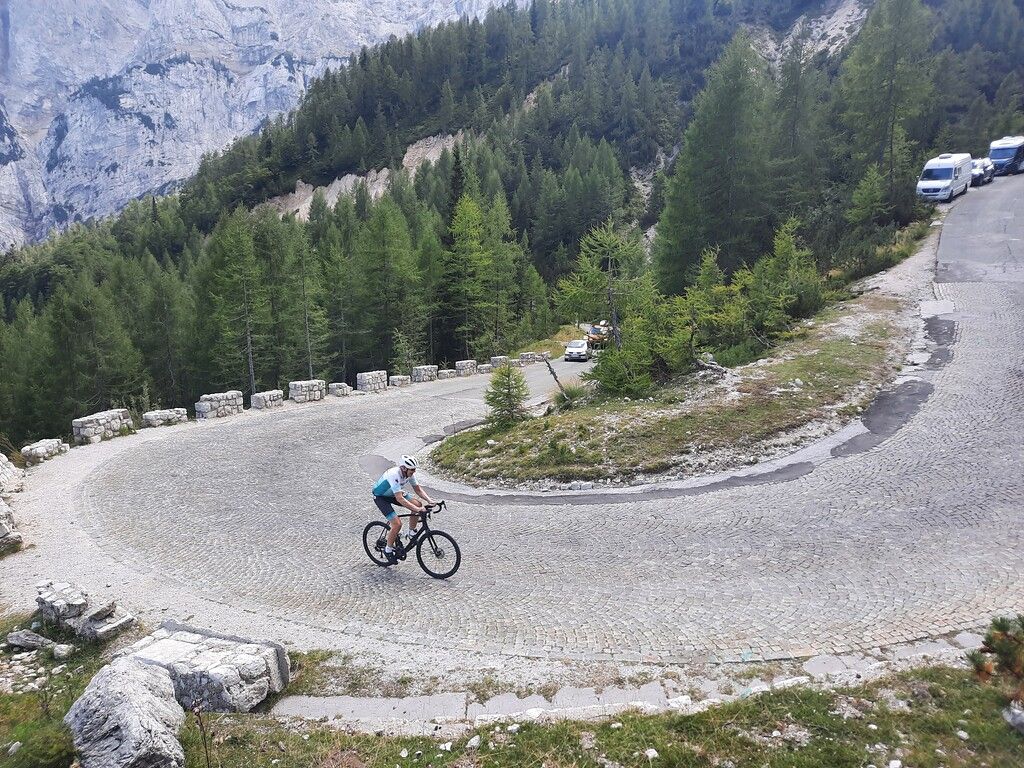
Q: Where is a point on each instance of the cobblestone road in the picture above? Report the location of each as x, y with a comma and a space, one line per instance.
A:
919, 536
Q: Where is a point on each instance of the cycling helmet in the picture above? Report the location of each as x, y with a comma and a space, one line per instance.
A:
408, 462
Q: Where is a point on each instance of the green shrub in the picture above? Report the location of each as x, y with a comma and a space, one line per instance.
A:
506, 397
1002, 653
570, 396
740, 354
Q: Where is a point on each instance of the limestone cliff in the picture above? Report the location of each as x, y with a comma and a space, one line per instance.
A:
102, 101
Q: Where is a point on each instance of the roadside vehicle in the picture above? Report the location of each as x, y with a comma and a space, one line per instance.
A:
578, 349
944, 177
1007, 154
599, 334
983, 171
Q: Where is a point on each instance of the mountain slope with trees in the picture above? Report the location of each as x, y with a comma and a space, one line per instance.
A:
206, 289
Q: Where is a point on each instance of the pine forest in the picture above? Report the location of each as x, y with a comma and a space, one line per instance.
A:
635, 157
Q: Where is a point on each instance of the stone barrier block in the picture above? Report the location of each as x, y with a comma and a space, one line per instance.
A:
447, 373
529, 358
101, 426
42, 450
10, 539
485, 368
372, 381
261, 401
307, 391
10, 476
545, 355
219, 404
220, 673
499, 361
424, 373
516, 363
68, 607
165, 418
465, 368
400, 381
339, 390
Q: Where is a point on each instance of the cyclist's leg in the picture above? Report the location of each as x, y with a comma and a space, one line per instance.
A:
386, 505
414, 519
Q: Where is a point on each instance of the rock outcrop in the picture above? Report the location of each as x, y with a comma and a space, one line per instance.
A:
10, 539
104, 100
214, 672
299, 202
10, 476
128, 718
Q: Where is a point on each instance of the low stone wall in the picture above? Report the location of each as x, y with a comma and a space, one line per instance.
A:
10, 539
528, 357
447, 373
372, 381
545, 355
339, 389
68, 606
499, 361
165, 418
465, 368
307, 391
41, 450
485, 368
424, 373
400, 381
514, 363
101, 426
261, 401
10, 476
219, 404
218, 673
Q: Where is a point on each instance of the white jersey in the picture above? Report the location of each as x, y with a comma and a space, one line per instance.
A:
392, 483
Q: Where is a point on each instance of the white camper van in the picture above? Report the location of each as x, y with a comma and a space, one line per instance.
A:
1007, 154
944, 177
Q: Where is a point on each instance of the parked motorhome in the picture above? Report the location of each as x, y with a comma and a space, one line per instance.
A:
1007, 154
944, 177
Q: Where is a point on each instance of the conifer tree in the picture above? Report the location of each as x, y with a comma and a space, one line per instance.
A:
885, 82
238, 321
718, 194
92, 363
506, 397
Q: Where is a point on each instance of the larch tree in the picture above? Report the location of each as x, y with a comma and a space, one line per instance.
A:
886, 82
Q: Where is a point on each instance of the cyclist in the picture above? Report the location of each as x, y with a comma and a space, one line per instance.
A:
390, 490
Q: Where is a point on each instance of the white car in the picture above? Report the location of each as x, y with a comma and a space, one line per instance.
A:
577, 350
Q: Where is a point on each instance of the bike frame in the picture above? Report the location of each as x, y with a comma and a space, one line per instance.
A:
424, 530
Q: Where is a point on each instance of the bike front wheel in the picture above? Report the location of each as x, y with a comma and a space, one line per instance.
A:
438, 554
375, 538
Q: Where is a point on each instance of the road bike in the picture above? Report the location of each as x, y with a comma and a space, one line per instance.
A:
437, 552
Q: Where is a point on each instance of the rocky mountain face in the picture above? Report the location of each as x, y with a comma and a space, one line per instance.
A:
102, 101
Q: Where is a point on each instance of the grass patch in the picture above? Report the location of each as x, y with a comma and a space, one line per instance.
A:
915, 716
825, 369
35, 718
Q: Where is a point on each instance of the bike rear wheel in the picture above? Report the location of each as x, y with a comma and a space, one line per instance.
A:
438, 554
375, 537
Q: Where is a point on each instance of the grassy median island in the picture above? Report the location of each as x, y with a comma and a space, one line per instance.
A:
826, 370
913, 717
